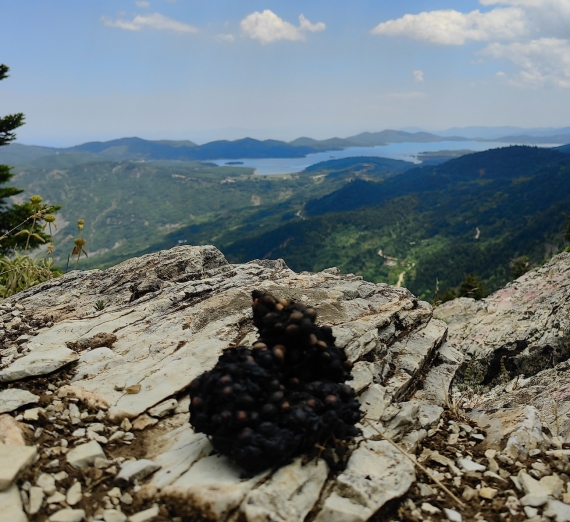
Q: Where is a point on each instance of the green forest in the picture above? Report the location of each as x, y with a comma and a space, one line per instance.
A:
424, 227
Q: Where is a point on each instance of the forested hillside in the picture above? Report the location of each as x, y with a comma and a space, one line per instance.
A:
472, 215
385, 219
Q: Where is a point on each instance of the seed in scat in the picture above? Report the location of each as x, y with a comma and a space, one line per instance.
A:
311, 313
226, 379
292, 330
331, 400
306, 326
246, 435
259, 346
241, 416
268, 411
295, 317
276, 397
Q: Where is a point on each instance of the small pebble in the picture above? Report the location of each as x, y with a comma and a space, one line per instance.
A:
430, 509
488, 493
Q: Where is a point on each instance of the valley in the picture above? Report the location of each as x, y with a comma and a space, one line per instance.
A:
387, 220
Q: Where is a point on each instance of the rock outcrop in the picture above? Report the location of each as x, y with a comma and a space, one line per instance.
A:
517, 348
94, 376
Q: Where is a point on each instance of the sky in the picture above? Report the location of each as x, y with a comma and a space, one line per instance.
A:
222, 69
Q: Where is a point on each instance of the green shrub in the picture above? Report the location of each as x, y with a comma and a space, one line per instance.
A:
23, 272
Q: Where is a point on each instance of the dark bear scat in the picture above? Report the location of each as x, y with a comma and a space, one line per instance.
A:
283, 397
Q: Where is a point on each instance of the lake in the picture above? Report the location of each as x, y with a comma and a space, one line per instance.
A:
401, 151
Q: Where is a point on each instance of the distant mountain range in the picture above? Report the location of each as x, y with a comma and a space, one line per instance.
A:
133, 149
491, 133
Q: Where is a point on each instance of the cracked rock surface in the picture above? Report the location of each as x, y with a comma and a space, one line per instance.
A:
106, 404
516, 344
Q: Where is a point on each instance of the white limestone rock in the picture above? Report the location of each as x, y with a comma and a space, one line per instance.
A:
164, 408
469, 465
47, 483
288, 495
558, 511
85, 454
13, 460
515, 431
376, 473
183, 447
362, 376
133, 470
145, 516
36, 499
11, 432
14, 398
114, 515
11, 508
68, 515
74, 494
95, 361
40, 362
212, 488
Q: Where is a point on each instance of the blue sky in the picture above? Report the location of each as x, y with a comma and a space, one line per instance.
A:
202, 70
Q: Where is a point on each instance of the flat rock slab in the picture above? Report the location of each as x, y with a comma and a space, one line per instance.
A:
170, 315
41, 362
376, 473
14, 398
14, 459
199, 306
182, 447
210, 490
288, 495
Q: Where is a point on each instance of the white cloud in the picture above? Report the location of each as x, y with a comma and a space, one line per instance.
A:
550, 17
545, 61
418, 76
268, 27
152, 21
533, 35
142, 3
308, 26
225, 37
450, 27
